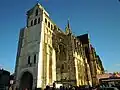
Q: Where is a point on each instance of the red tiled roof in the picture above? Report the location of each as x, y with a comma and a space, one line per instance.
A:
108, 75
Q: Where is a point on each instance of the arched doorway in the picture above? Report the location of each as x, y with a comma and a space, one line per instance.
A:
26, 81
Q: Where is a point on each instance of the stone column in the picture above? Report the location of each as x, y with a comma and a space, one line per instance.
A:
76, 70
40, 58
47, 78
54, 66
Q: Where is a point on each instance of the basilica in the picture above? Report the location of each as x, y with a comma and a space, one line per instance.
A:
46, 54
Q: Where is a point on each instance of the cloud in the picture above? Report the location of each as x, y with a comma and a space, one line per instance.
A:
117, 64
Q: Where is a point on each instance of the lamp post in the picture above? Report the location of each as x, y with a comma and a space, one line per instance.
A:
62, 73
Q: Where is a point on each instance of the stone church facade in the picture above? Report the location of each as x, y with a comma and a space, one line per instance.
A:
47, 55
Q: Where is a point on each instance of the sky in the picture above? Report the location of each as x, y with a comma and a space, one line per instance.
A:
99, 18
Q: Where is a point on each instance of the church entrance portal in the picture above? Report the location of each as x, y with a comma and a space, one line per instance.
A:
26, 81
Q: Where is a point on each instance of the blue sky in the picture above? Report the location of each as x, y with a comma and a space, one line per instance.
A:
101, 18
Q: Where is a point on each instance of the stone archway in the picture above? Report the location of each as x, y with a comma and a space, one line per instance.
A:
26, 81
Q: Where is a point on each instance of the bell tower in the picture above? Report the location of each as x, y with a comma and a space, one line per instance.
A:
29, 59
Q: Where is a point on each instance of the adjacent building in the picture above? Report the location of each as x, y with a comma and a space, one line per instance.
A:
4, 79
47, 55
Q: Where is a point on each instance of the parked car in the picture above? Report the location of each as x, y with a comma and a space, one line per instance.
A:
109, 88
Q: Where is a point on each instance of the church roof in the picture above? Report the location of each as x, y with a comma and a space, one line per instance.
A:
36, 5
84, 38
31, 10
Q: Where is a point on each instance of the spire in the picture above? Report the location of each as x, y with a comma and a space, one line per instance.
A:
68, 25
37, 1
67, 29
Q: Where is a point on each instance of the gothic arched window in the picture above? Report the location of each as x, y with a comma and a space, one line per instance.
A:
28, 59
35, 21
51, 27
36, 13
62, 66
49, 24
45, 20
39, 20
55, 28
35, 58
32, 23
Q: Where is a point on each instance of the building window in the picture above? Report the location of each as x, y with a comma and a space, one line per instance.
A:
51, 27
35, 21
32, 23
55, 27
39, 20
36, 13
49, 24
62, 68
47, 30
35, 58
28, 59
45, 20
